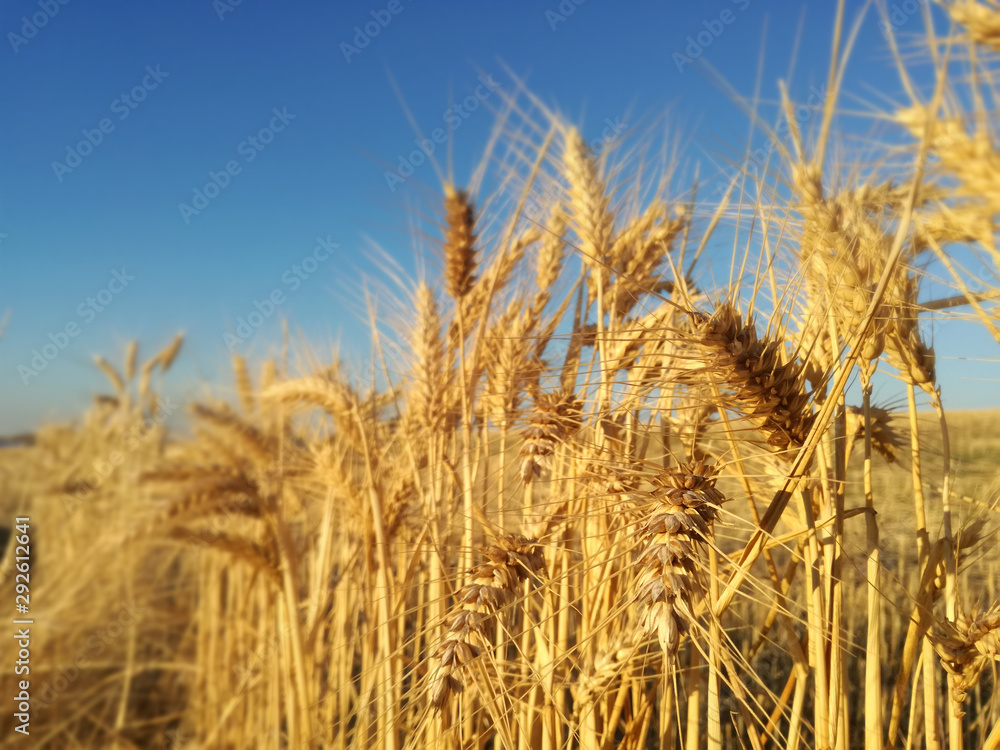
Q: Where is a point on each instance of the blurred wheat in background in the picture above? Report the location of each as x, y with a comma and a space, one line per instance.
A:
591, 494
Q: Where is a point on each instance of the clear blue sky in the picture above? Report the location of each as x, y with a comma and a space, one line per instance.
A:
173, 92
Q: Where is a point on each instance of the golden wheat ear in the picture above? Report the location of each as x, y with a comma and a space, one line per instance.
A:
673, 541
169, 353
886, 439
966, 647
111, 373
555, 418
589, 204
980, 19
330, 394
459, 243
131, 356
244, 385
427, 401
261, 558
768, 384
493, 585
261, 448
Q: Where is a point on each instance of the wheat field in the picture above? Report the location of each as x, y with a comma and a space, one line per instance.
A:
614, 475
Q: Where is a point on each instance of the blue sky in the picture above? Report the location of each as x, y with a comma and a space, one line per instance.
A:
120, 112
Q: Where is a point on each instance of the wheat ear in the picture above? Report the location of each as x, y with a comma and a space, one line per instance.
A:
673, 540
492, 585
